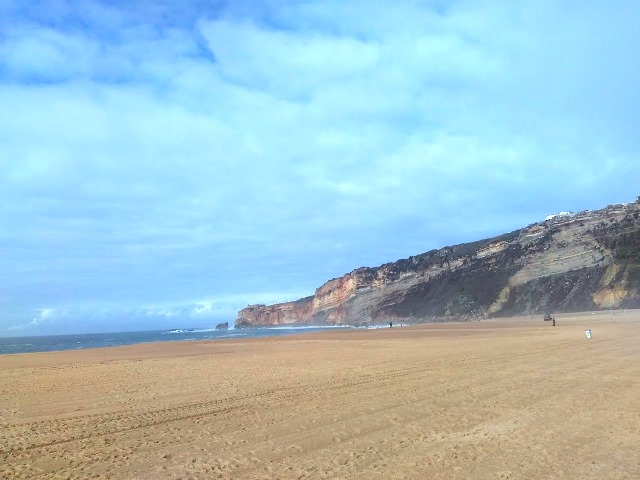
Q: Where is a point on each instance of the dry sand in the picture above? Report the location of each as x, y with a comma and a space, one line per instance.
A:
507, 399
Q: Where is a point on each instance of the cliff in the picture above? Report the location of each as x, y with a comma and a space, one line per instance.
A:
569, 262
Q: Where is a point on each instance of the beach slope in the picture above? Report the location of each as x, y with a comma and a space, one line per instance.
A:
506, 399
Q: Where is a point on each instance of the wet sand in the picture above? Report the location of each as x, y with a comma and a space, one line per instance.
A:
515, 399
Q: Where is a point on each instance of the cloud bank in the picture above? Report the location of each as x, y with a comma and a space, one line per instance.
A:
159, 158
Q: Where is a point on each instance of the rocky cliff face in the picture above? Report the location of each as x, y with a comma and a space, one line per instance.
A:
571, 262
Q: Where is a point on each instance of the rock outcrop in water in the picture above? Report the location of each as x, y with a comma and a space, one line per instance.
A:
569, 262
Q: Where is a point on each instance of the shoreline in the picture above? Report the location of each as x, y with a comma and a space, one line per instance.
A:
297, 330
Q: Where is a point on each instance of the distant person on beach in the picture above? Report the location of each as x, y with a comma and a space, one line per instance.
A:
390, 324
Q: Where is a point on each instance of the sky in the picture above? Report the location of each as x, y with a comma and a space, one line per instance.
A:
163, 164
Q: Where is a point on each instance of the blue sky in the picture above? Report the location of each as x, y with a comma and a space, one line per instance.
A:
164, 164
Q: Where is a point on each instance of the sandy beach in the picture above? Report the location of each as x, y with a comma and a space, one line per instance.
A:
516, 399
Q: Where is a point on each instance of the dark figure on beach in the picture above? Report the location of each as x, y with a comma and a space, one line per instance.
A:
554, 321
390, 324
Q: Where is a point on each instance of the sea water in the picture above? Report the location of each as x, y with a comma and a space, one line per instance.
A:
98, 340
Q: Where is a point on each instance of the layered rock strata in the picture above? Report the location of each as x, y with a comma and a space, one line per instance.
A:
570, 262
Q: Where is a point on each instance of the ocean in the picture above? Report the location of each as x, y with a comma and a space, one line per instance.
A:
51, 343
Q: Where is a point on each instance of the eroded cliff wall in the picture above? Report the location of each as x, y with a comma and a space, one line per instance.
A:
586, 261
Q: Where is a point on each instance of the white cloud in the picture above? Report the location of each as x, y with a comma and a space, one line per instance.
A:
285, 62
44, 315
155, 155
202, 310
